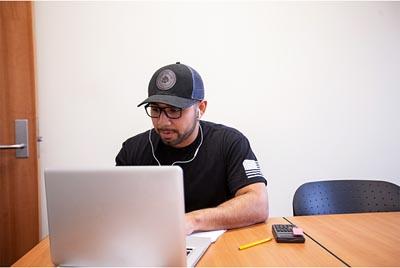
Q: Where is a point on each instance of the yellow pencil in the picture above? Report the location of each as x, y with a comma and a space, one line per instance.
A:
255, 243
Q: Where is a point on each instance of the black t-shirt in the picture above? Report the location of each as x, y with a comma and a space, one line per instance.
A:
224, 163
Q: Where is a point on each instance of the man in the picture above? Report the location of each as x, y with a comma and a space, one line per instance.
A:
223, 184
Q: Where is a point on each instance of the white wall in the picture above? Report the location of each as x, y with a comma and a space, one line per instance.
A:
314, 86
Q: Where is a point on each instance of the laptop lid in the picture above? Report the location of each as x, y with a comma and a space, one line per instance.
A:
118, 216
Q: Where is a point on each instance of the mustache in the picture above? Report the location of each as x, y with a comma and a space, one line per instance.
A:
166, 129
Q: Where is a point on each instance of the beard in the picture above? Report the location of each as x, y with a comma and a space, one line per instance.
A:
180, 136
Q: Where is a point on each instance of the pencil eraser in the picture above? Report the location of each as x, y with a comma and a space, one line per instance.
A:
297, 231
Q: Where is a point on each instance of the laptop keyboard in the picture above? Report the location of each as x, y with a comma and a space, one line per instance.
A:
188, 251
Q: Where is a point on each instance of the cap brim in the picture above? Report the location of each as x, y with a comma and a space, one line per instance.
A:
170, 100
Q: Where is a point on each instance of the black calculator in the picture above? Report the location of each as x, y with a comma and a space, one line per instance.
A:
283, 233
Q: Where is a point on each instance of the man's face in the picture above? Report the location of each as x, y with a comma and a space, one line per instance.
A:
178, 132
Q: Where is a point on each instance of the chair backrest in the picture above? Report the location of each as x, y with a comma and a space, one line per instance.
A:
346, 196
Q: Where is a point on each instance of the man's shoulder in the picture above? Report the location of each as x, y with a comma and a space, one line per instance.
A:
134, 151
221, 130
138, 139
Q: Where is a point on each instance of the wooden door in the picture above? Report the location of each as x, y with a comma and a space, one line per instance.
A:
19, 219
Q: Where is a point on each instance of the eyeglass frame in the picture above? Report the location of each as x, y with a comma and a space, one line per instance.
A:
162, 110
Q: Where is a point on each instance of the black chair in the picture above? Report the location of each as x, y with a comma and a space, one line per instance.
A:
345, 196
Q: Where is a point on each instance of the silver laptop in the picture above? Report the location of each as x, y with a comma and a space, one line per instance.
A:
119, 216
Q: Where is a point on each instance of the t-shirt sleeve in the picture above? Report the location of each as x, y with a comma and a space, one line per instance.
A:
242, 165
122, 157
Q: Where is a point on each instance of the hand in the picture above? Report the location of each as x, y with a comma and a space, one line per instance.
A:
190, 223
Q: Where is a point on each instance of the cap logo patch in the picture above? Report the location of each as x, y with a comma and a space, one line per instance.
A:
166, 79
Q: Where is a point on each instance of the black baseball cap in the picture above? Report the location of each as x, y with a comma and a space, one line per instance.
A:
177, 85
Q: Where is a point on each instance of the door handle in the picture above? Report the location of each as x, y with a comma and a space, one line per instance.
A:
21, 146
12, 146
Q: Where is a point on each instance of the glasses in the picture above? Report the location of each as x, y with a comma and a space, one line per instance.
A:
155, 111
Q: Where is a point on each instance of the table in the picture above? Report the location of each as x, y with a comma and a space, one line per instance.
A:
360, 239
38, 256
224, 252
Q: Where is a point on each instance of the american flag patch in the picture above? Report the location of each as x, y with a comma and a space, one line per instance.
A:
252, 168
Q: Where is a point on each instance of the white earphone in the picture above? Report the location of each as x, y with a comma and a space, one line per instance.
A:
176, 162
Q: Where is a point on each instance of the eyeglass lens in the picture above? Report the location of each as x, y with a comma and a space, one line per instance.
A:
171, 112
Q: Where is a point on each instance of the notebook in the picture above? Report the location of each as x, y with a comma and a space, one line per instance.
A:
119, 216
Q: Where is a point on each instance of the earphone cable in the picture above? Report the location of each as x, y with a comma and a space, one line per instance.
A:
178, 162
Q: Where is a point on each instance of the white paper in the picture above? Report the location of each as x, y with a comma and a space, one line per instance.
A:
213, 235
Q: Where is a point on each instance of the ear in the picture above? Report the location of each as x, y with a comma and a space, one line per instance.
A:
201, 108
